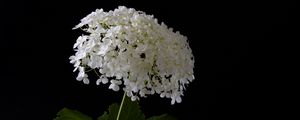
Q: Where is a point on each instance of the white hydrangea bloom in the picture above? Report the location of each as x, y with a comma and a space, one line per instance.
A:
131, 50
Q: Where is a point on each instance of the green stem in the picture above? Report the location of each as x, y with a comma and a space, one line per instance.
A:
120, 109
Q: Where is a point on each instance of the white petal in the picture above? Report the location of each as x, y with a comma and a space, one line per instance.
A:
81, 74
133, 98
111, 86
163, 94
168, 95
79, 41
173, 101
129, 94
86, 80
178, 99
114, 87
104, 80
98, 82
135, 88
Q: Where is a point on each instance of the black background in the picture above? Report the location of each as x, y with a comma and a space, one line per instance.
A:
226, 39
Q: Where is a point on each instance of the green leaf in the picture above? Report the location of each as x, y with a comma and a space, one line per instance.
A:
113, 112
103, 117
162, 117
68, 114
130, 111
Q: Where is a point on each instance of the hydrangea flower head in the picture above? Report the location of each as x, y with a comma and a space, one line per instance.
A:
131, 51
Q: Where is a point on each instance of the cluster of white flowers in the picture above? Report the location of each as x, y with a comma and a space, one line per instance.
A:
130, 49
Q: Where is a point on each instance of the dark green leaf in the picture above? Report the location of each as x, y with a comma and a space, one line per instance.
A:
103, 117
68, 114
112, 113
130, 111
162, 117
